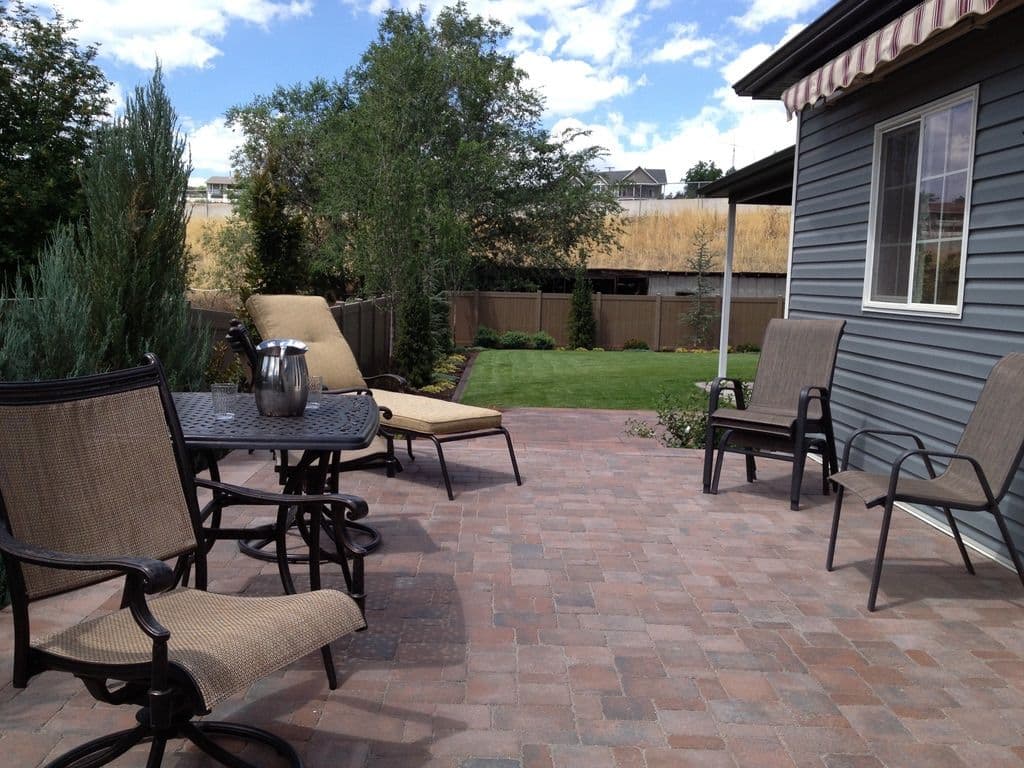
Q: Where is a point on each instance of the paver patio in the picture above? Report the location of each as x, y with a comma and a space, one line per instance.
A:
606, 614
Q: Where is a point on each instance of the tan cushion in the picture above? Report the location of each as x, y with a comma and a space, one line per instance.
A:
433, 417
308, 319
223, 643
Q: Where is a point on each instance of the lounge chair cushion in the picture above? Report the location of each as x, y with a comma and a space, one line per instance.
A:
773, 421
430, 416
309, 319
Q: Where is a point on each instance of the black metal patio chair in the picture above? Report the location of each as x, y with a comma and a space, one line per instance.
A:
122, 505
789, 414
976, 478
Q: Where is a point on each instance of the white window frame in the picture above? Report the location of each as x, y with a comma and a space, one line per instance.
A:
917, 116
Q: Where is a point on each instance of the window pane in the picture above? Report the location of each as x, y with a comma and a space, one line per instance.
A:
954, 195
936, 140
924, 273
960, 137
895, 214
948, 273
929, 210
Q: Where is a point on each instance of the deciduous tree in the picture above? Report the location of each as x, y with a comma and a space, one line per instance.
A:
52, 97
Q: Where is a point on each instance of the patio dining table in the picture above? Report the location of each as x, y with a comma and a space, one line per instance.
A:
341, 423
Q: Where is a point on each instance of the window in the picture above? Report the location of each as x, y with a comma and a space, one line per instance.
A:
919, 205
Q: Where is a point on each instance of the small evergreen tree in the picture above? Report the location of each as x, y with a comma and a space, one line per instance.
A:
113, 288
702, 317
582, 328
414, 349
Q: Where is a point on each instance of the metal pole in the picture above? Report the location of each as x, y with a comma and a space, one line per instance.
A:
723, 335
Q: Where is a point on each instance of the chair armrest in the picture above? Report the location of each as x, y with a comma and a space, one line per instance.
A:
875, 432
717, 385
396, 381
928, 456
357, 507
809, 393
384, 411
156, 575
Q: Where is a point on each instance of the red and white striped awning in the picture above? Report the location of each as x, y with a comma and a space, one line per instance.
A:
881, 47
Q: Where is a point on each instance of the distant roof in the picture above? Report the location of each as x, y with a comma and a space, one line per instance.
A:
221, 180
657, 175
769, 181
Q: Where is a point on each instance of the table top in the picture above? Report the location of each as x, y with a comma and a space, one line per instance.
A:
341, 423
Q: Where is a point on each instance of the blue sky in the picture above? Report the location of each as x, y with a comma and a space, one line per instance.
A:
650, 78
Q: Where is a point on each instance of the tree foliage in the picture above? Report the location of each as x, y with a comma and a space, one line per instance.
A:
701, 317
582, 328
52, 96
113, 288
700, 173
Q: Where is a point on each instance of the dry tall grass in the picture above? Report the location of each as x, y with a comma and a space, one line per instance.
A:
663, 241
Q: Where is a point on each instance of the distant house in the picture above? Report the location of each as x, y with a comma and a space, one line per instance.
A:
219, 188
638, 184
908, 214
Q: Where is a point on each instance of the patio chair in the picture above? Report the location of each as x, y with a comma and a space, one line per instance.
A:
976, 478
405, 415
122, 504
788, 415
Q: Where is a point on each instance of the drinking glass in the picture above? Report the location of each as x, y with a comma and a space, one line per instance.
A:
224, 400
316, 386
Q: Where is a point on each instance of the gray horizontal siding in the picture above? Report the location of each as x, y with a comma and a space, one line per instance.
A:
907, 371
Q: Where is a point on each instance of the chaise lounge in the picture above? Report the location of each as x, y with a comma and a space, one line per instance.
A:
405, 416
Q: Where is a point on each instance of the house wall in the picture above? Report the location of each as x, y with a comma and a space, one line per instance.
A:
909, 372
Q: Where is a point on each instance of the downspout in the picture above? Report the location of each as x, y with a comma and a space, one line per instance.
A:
792, 211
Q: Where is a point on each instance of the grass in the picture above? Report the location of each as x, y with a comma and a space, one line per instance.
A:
664, 240
617, 380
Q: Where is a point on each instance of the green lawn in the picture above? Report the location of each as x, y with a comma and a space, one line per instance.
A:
624, 380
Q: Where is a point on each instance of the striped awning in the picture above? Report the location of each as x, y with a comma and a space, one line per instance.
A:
885, 45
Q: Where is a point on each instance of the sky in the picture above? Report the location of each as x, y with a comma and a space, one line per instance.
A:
650, 79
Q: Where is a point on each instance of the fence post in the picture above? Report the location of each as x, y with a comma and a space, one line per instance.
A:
598, 341
540, 311
657, 324
476, 312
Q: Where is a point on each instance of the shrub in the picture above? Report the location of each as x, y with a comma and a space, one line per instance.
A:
635, 344
515, 340
542, 340
746, 348
582, 328
487, 337
684, 418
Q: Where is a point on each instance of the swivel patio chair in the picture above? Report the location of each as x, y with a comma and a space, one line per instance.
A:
405, 415
976, 478
788, 415
122, 504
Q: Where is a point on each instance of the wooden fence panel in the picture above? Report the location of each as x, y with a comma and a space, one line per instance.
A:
658, 320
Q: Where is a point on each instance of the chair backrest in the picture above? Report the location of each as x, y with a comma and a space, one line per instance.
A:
994, 434
795, 354
309, 319
94, 466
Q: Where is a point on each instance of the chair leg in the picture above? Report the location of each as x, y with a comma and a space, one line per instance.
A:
883, 536
390, 461
751, 467
444, 468
709, 456
1014, 556
408, 448
959, 541
719, 459
156, 752
103, 750
799, 459
199, 734
835, 529
512, 455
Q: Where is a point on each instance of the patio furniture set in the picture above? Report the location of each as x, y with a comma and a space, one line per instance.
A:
128, 486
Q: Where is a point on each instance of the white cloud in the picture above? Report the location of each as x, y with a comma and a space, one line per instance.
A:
763, 12
684, 44
180, 34
570, 85
211, 145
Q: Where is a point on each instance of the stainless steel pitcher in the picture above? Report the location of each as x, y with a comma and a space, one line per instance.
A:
282, 379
